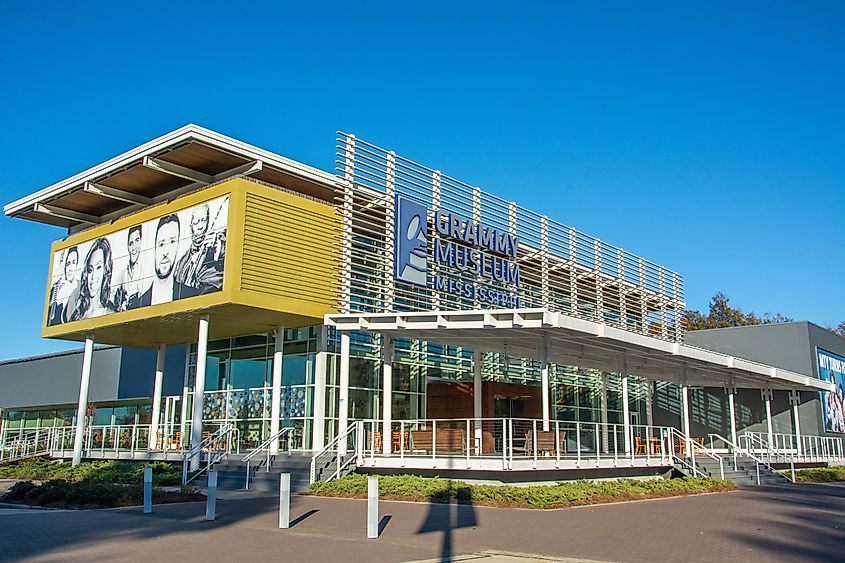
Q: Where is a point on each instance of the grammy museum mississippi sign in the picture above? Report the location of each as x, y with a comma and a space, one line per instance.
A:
470, 260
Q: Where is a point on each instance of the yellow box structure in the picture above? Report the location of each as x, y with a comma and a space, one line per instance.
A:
250, 256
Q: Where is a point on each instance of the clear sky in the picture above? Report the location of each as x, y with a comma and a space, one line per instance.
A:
707, 137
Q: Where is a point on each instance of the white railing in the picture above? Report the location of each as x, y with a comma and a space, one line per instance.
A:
338, 456
737, 451
685, 449
826, 449
266, 446
215, 446
753, 443
512, 442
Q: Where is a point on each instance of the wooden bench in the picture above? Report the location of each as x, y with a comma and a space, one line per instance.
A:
448, 440
545, 442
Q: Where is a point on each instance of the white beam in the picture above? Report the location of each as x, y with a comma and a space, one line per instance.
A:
387, 396
176, 170
114, 193
343, 399
66, 213
199, 389
247, 169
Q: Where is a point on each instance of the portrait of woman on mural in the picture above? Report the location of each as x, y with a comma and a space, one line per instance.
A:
95, 283
65, 290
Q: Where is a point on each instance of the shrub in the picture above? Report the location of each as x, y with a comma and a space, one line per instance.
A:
410, 487
819, 474
125, 472
18, 491
95, 494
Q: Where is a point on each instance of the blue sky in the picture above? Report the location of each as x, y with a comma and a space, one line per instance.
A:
707, 137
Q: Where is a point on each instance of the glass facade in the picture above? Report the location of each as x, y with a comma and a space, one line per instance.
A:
238, 383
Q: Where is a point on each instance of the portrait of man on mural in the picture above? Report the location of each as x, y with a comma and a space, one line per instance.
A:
200, 269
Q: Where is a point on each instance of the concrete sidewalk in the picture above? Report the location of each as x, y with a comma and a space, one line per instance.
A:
796, 523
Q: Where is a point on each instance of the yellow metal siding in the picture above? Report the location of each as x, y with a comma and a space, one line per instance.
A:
290, 248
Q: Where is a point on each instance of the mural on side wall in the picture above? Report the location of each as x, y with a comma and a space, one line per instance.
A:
173, 257
832, 368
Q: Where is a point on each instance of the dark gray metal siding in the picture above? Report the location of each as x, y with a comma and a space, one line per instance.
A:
54, 379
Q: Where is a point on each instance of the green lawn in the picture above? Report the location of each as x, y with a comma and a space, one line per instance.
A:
407, 487
818, 474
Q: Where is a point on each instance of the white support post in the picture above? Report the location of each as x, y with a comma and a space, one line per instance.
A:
318, 430
477, 359
767, 397
544, 379
372, 508
731, 392
211, 497
343, 399
649, 402
387, 395
155, 422
795, 399
284, 501
276, 392
626, 407
148, 490
199, 389
82, 408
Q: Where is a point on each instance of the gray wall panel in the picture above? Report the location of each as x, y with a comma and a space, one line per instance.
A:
784, 345
54, 379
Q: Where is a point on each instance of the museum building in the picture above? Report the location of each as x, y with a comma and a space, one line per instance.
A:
384, 317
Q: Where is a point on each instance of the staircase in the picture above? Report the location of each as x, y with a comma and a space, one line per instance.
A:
745, 473
232, 476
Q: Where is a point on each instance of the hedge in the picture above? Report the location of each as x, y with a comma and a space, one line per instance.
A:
123, 472
819, 474
423, 489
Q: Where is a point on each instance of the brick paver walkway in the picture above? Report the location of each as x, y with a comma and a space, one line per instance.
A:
797, 523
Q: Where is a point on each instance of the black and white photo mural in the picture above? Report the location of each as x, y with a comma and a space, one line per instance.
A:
173, 257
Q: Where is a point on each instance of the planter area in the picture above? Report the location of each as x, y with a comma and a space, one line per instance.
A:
561, 495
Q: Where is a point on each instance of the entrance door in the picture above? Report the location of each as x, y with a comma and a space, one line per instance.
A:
509, 407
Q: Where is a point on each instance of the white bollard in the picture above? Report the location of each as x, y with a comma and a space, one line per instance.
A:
284, 501
372, 508
211, 501
148, 490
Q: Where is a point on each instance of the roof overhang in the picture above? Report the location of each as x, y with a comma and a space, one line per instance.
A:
179, 162
572, 341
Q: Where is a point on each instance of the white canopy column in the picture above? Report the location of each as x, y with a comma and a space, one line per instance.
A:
795, 399
477, 361
199, 390
155, 423
318, 430
82, 407
343, 399
626, 407
276, 392
545, 386
387, 395
767, 397
730, 391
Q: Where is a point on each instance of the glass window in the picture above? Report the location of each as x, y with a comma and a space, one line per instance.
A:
244, 374
363, 373
362, 403
295, 369
215, 373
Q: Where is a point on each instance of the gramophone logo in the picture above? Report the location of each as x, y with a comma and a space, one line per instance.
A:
411, 247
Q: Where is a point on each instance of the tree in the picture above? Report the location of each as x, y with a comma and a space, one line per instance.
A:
722, 315
840, 330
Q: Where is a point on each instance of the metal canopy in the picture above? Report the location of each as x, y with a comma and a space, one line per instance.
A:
573, 341
179, 162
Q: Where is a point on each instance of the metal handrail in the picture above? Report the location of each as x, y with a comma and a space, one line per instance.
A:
747, 453
771, 452
343, 461
265, 445
692, 445
225, 432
